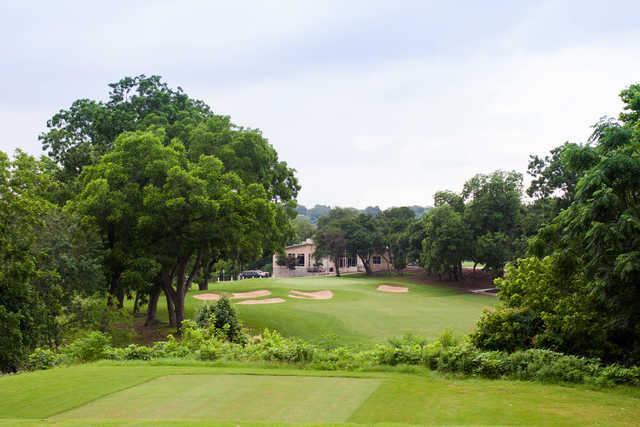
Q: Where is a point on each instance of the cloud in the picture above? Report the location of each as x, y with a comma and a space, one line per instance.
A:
373, 103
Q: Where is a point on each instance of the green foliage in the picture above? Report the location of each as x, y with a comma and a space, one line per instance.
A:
395, 225
445, 354
43, 358
303, 229
579, 287
31, 295
130, 352
506, 329
330, 236
221, 317
93, 346
446, 241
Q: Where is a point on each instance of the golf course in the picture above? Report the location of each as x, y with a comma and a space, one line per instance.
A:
353, 311
357, 313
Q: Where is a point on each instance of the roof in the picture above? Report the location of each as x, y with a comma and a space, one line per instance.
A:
296, 245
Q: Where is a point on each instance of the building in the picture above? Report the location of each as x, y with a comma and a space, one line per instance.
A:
307, 265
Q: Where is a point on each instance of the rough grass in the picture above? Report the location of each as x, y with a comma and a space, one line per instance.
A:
358, 314
113, 394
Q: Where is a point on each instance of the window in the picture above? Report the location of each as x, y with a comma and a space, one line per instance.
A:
352, 261
376, 260
300, 260
342, 262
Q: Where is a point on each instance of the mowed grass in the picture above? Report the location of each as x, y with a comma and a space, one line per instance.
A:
358, 314
142, 394
234, 398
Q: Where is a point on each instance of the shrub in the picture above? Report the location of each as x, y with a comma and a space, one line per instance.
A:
617, 374
93, 346
43, 358
506, 329
491, 364
204, 316
408, 349
130, 352
275, 347
223, 318
209, 351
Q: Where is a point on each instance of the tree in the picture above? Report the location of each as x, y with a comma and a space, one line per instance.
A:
30, 293
80, 135
303, 229
395, 226
492, 213
556, 175
364, 238
372, 210
455, 200
330, 237
579, 284
317, 212
446, 242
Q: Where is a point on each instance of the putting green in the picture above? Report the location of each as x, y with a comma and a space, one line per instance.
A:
232, 397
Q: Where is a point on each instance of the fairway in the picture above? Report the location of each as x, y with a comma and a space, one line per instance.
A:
358, 314
234, 398
137, 393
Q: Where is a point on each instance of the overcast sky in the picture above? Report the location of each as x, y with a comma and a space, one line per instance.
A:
374, 103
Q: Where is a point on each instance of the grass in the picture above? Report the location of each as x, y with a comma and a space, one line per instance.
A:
113, 394
358, 314
234, 398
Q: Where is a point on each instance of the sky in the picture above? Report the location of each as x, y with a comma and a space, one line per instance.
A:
372, 102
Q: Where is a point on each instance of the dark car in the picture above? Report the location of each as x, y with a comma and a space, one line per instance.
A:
250, 274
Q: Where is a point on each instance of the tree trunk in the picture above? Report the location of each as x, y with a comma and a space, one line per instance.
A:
171, 309
136, 302
179, 295
194, 270
152, 307
206, 275
336, 263
367, 265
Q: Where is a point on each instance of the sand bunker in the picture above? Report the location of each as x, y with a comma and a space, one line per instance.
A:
311, 295
262, 301
207, 297
393, 289
252, 294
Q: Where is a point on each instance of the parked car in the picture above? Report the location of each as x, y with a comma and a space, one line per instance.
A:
264, 274
250, 274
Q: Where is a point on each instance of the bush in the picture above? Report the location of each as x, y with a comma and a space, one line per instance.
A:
616, 374
445, 354
131, 352
223, 318
94, 346
43, 358
506, 329
275, 347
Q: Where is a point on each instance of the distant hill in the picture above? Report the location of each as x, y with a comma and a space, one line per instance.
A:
318, 211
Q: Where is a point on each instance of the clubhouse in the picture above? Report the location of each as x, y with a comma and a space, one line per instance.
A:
306, 263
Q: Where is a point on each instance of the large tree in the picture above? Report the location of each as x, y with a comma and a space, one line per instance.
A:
79, 135
330, 236
395, 224
579, 287
445, 243
364, 238
176, 134
492, 213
